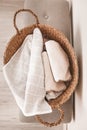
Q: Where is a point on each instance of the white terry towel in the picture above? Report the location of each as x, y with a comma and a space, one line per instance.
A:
15, 71
53, 89
25, 77
58, 60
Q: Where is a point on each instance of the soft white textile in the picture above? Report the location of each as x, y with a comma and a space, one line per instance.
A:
32, 74
59, 61
53, 88
25, 76
15, 71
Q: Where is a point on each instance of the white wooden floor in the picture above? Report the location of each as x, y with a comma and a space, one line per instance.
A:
9, 113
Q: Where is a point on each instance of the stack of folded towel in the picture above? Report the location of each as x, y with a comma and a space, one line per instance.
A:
35, 76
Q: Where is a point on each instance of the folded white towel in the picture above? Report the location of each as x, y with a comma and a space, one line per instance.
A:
58, 60
25, 76
35, 102
53, 89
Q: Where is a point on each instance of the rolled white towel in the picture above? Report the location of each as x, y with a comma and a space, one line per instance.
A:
59, 61
53, 89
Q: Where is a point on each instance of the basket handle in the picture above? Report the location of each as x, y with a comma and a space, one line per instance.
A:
23, 10
59, 120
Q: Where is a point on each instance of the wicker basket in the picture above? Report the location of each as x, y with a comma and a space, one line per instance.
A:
50, 33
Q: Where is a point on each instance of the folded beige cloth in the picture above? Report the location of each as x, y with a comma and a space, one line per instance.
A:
53, 89
59, 61
52, 95
25, 76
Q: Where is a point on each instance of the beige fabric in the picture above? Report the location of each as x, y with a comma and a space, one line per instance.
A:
58, 61
53, 89
25, 76
52, 95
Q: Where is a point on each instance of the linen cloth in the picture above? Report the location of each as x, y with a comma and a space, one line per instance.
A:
25, 76
15, 71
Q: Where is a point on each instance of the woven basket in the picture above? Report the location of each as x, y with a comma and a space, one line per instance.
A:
50, 33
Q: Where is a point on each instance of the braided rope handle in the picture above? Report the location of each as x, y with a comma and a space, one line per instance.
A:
24, 10
48, 124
